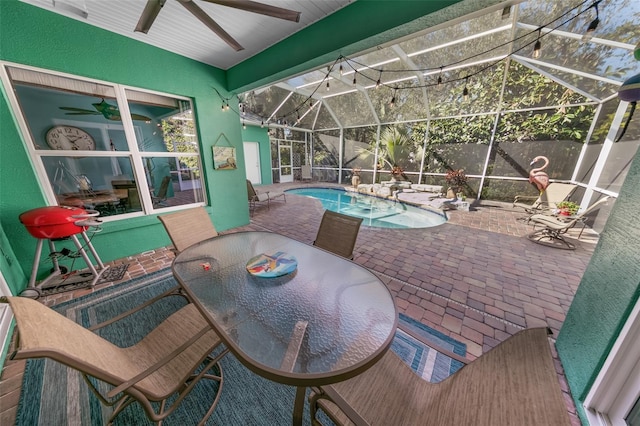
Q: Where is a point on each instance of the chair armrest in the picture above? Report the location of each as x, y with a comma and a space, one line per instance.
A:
524, 197
177, 291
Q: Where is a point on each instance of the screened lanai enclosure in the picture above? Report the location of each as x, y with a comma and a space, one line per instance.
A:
486, 94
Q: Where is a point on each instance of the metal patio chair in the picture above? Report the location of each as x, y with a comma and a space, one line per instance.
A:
338, 233
259, 197
547, 200
163, 367
187, 227
554, 227
515, 383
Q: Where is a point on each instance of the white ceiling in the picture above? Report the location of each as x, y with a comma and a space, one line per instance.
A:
178, 31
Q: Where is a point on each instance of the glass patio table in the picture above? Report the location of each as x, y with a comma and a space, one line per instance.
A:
326, 321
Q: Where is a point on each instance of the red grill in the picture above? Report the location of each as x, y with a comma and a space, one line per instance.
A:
55, 223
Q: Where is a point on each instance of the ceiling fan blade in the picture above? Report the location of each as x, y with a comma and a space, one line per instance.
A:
213, 26
261, 8
149, 14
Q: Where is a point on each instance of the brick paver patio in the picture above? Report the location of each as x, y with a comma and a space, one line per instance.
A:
476, 278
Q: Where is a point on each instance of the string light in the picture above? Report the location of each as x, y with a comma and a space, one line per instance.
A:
536, 53
593, 25
538, 46
465, 91
244, 126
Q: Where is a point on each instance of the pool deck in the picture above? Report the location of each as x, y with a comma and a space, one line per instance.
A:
476, 278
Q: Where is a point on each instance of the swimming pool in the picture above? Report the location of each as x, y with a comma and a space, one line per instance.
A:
375, 212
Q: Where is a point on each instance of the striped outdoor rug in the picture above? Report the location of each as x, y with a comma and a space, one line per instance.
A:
55, 395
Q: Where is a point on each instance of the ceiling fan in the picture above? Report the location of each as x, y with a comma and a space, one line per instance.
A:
153, 7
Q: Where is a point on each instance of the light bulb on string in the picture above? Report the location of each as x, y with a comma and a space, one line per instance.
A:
393, 99
592, 26
440, 77
328, 88
341, 70
537, 47
354, 77
465, 91
379, 78
244, 126
262, 124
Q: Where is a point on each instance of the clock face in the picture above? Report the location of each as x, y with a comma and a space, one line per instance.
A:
70, 138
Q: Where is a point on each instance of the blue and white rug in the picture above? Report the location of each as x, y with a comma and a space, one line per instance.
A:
55, 395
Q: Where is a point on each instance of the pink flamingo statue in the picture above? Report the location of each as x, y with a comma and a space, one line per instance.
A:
536, 176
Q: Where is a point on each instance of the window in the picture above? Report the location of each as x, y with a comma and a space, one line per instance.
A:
102, 146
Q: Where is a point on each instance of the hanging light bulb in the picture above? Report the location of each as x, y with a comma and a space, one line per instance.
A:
393, 99
354, 77
262, 124
537, 47
440, 77
465, 91
222, 107
592, 26
244, 126
226, 107
341, 70
328, 88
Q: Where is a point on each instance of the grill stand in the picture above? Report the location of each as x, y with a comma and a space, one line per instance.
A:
33, 290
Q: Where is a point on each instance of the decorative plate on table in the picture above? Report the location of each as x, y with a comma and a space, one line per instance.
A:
269, 265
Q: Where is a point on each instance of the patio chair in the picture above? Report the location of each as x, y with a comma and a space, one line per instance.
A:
259, 197
515, 383
164, 364
547, 200
161, 197
306, 173
338, 233
554, 227
187, 227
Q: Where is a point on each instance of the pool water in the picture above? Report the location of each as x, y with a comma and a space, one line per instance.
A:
375, 212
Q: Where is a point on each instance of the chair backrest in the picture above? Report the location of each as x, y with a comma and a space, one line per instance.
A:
251, 192
188, 227
338, 233
593, 207
164, 186
70, 344
122, 184
306, 171
555, 193
133, 199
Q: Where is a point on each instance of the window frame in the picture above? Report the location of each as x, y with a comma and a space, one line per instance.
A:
133, 153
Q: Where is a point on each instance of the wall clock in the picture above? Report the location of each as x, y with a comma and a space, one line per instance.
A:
70, 138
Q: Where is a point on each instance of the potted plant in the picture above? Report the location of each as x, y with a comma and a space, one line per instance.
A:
355, 178
456, 179
567, 208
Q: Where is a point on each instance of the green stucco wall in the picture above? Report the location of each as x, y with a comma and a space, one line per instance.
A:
54, 42
261, 135
607, 293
